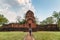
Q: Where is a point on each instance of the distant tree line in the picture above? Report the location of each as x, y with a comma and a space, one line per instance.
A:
54, 19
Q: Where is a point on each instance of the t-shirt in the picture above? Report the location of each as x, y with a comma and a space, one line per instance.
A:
30, 29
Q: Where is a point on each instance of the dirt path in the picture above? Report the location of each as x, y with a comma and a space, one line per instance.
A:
28, 37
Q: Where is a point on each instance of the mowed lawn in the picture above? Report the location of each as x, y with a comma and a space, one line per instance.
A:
46, 35
12, 35
41, 35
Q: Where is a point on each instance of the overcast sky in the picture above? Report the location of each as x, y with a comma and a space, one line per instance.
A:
41, 8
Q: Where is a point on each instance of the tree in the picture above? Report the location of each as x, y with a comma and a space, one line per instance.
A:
57, 16
43, 22
3, 20
20, 21
23, 21
48, 20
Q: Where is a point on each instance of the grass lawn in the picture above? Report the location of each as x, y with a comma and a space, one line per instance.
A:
46, 35
42, 35
12, 35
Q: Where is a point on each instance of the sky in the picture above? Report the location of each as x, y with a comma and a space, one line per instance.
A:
42, 9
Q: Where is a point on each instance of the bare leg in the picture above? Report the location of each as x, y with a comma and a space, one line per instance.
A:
30, 33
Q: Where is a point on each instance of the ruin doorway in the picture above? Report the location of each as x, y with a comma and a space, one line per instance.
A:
29, 25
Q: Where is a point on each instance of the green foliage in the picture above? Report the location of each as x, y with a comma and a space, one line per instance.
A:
43, 22
3, 20
57, 16
22, 22
51, 20
48, 20
19, 20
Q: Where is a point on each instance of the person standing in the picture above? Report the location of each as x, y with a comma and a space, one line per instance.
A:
30, 29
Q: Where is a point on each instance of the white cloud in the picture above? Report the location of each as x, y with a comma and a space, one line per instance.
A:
27, 4
24, 2
10, 15
11, 9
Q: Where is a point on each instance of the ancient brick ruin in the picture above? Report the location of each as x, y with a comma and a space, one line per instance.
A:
30, 20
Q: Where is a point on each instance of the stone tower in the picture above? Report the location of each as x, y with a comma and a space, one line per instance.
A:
30, 19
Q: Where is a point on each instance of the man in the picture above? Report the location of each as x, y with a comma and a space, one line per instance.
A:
30, 29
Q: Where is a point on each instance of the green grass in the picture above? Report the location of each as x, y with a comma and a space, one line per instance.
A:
42, 35
12, 35
46, 35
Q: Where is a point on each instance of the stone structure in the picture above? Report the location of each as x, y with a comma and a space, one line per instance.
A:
29, 21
